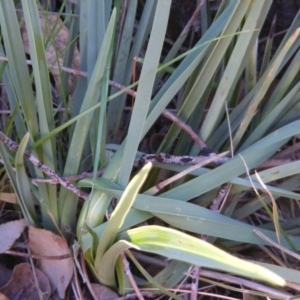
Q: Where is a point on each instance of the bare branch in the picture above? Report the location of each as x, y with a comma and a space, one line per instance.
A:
71, 187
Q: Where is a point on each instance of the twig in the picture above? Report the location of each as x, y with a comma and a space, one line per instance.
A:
276, 245
215, 206
36, 256
272, 255
195, 280
246, 283
87, 281
167, 114
274, 35
77, 252
134, 296
270, 163
192, 20
75, 291
33, 270
149, 259
164, 158
203, 162
71, 178
75, 282
71, 187
130, 277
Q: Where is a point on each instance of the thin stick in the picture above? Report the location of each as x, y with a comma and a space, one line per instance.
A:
71, 187
76, 285
215, 206
167, 114
34, 272
272, 255
87, 280
36, 256
195, 280
71, 178
270, 163
205, 161
130, 277
217, 159
246, 283
276, 245
77, 252
192, 20
184, 127
132, 296
75, 291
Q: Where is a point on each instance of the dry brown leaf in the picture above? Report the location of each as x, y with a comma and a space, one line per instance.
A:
59, 272
23, 286
9, 232
56, 33
8, 197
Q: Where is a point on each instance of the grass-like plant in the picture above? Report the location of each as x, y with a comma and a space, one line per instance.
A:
225, 98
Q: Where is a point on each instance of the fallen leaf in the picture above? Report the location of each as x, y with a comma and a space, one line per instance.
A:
8, 197
9, 232
45, 243
23, 286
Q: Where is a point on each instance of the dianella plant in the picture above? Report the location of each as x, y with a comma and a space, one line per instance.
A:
93, 118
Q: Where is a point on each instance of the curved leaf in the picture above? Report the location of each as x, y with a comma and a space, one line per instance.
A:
26, 201
117, 218
177, 245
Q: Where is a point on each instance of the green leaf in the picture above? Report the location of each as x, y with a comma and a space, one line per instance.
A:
17, 65
117, 218
245, 42
123, 68
26, 200
261, 89
176, 245
67, 201
186, 216
253, 156
106, 271
144, 92
44, 108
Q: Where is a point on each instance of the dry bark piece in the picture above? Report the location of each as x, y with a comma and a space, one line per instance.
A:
9, 232
59, 272
23, 286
